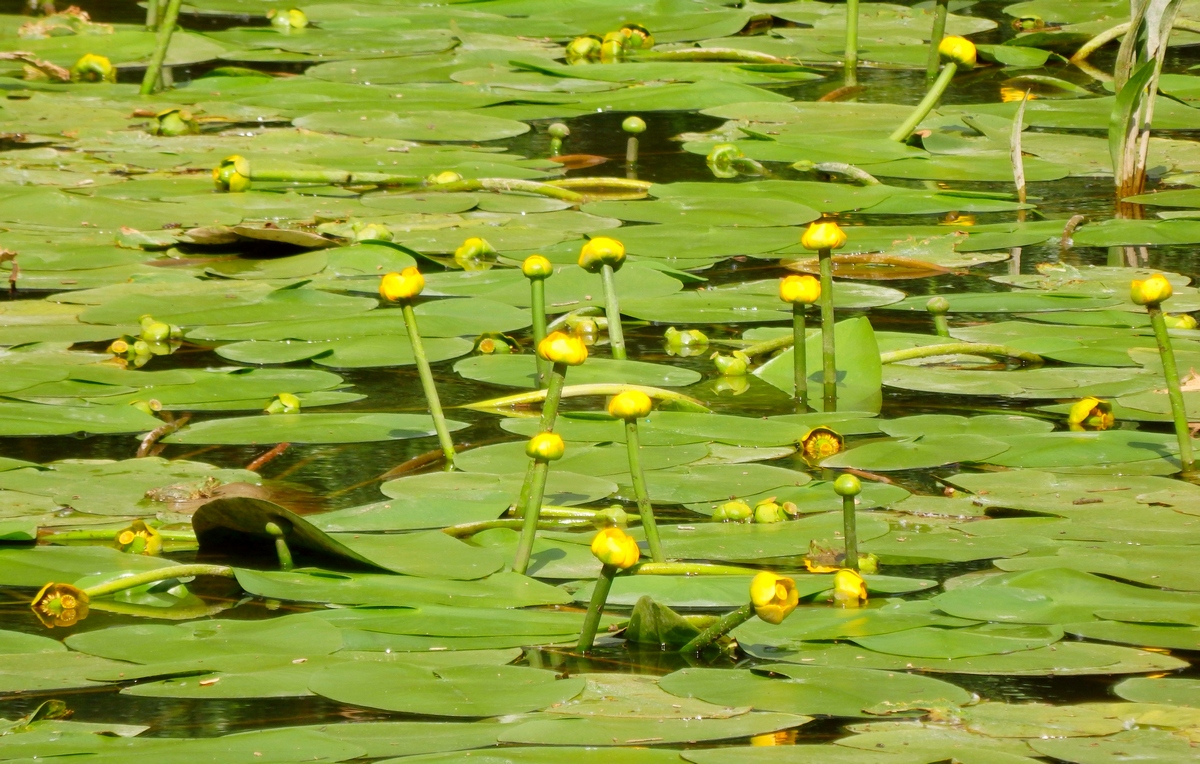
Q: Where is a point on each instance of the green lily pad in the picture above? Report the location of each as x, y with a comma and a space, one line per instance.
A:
309, 428
521, 371
616, 732
1176, 692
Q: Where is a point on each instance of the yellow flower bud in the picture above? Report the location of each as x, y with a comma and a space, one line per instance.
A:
443, 178
288, 20
613, 546
1181, 321
156, 331
773, 597
545, 447
93, 68
1152, 291
960, 50
402, 286
284, 403
820, 443
847, 485
537, 267
173, 122
475, 254
601, 251
60, 605
769, 511
559, 347
823, 235
583, 49
631, 404
1091, 414
802, 290
733, 512
849, 589
233, 174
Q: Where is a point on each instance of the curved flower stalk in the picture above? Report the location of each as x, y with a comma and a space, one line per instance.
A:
938, 307
64, 605
630, 406
848, 487
616, 552
634, 126
1152, 292
543, 448
404, 288
800, 292
537, 269
772, 599
605, 256
956, 52
823, 237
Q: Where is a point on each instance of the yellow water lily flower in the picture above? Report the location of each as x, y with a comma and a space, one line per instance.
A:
401, 286
773, 597
93, 68
1090, 414
546, 447
613, 546
601, 251
560, 347
630, 404
537, 267
960, 50
60, 605
820, 443
849, 589
824, 234
140, 538
1151, 291
1180, 321
474, 254
735, 511
232, 174
800, 290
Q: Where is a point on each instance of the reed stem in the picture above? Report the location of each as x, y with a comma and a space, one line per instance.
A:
799, 356
166, 27
828, 358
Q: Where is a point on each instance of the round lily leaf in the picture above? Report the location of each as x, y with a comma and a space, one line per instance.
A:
615, 732
1175, 692
420, 126
987, 639
1077, 449
920, 452
521, 371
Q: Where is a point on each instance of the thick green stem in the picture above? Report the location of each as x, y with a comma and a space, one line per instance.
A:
799, 356
728, 623
957, 348
537, 487
1171, 372
941, 9
927, 103
553, 392
591, 622
675, 568
678, 401
332, 177
612, 310
466, 530
166, 27
509, 185
645, 509
851, 78
281, 547
537, 304
556, 145
850, 532
55, 537
828, 359
431, 394
158, 574
940, 325
631, 150
152, 15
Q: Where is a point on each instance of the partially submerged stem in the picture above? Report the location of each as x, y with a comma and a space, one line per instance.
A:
851, 76
466, 530
850, 532
431, 393
679, 400
927, 103
591, 622
638, 477
158, 433
537, 305
828, 360
959, 348
166, 27
529, 524
1174, 393
799, 355
281, 548
612, 310
156, 575
726, 624
940, 11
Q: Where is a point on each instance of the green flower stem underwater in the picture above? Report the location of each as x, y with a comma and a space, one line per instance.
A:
940, 10
431, 393
156, 575
828, 357
166, 27
848, 487
638, 477
955, 348
1174, 393
799, 355
530, 498
851, 76
726, 624
281, 548
612, 310
927, 103
591, 622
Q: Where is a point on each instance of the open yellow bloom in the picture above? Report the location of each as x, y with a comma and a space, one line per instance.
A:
601, 251
631, 404
401, 286
1091, 414
960, 50
800, 290
820, 443
537, 267
1151, 291
545, 446
823, 235
60, 605
560, 347
140, 538
613, 546
849, 589
774, 597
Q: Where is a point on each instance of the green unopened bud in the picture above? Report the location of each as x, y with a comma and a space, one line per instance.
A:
736, 364
371, 232
584, 49
233, 174
733, 512
612, 48
769, 511
634, 125
174, 122
289, 20
611, 517
938, 306
156, 331
150, 407
558, 130
637, 37
284, 403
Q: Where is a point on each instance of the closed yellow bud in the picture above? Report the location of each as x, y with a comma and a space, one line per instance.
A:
601, 251
233, 174
93, 68
283, 403
537, 267
773, 597
800, 290
1152, 291
823, 235
613, 546
288, 20
733, 512
560, 347
849, 589
402, 286
545, 447
960, 50
1091, 414
584, 49
631, 404
1181, 321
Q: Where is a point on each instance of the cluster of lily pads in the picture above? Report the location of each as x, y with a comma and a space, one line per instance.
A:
827, 416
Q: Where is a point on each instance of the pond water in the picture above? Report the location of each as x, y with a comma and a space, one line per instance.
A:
972, 479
